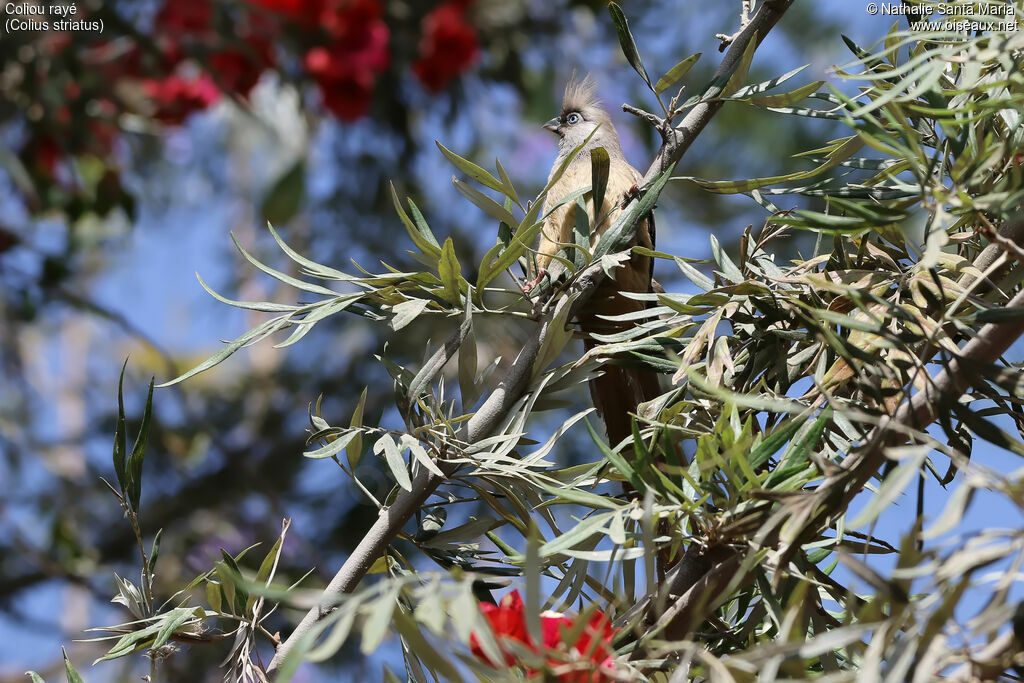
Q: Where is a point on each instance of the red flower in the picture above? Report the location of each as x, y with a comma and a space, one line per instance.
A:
176, 97
45, 153
292, 7
507, 621
587, 660
448, 46
347, 68
185, 16
238, 72
186, 27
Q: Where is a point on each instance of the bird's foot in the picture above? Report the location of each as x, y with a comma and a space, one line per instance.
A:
632, 193
541, 274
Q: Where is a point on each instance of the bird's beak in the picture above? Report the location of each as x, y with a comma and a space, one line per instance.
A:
553, 125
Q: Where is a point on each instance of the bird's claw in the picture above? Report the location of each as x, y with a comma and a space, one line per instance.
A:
632, 193
541, 274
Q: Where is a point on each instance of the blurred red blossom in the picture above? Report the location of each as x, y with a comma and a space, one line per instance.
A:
186, 28
586, 660
45, 153
237, 71
448, 47
292, 7
176, 96
507, 620
347, 67
184, 16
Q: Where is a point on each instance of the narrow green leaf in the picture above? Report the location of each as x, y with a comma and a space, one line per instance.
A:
749, 91
417, 451
227, 585
472, 170
506, 183
892, 488
739, 75
483, 202
69, 669
729, 269
627, 42
1006, 314
623, 230
261, 306
435, 660
421, 224
131, 642
431, 250
776, 440
497, 260
693, 275
576, 535
407, 311
318, 269
171, 622
789, 98
581, 235
675, 73
617, 461
260, 331
354, 449
468, 389
233, 573
952, 514
139, 451
120, 436
450, 272
154, 551
471, 530
376, 626
532, 573
577, 496
321, 649
263, 576
213, 595
394, 459
334, 447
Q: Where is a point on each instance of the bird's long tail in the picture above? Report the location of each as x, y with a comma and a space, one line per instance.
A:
620, 390
617, 393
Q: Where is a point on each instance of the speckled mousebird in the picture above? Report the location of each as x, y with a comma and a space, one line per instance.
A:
618, 391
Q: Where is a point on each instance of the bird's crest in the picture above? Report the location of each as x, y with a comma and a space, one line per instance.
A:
581, 96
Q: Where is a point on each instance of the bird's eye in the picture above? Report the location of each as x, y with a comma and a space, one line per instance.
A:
573, 118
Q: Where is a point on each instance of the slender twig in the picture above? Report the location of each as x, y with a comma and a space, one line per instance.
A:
660, 124
391, 519
698, 117
745, 7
